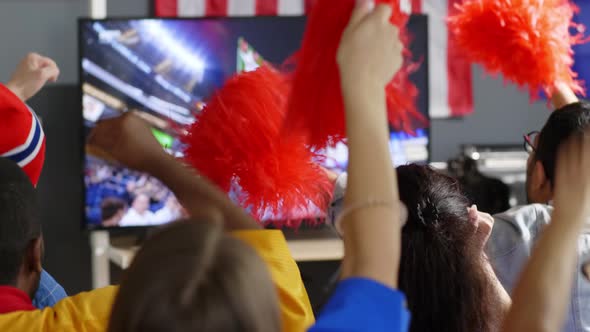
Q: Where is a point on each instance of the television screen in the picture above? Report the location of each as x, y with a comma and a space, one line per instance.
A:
163, 70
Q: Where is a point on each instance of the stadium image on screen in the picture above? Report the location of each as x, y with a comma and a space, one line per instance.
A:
163, 70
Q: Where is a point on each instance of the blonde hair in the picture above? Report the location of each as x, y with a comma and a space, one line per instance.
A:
191, 276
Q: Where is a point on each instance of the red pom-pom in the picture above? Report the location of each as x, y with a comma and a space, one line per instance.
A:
316, 106
401, 94
237, 137
528, 41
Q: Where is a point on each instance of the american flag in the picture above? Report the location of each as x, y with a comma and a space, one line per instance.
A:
450, 88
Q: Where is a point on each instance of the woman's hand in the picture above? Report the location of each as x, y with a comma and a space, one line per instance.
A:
368, 57
370, 51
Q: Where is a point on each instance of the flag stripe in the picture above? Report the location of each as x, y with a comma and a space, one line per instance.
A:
189, 8
166, 8
270, 7
460, 90
450, 82
437, 58
290, 7
241, 7
216, 8
309, 5
417, 6
405, 6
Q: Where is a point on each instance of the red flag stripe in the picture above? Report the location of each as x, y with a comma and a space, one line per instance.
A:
216, 8
417, 6
269, 7
309, 5
459, 75
166, 8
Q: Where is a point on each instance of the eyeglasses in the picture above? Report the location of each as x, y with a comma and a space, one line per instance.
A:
529, 142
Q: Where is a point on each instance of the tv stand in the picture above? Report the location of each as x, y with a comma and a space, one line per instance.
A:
307, 245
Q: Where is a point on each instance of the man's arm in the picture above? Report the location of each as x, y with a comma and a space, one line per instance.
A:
563, 96
32, 73
128, 140
84, 312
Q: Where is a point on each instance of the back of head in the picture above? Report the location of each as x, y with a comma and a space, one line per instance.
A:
441, 270
19, 223
563, 123
110, 207
191, 276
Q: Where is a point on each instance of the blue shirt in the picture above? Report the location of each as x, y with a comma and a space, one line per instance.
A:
360, 305
49, 292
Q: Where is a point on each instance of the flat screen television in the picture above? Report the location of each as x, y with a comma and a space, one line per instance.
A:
164, 70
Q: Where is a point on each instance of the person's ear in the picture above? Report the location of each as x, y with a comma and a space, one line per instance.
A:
34, 255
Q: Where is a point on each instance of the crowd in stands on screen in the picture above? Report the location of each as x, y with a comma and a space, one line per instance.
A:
140, 215
117, 196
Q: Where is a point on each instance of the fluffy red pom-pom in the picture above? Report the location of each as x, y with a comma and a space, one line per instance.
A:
237, 137
528, 41
316, 106
401, 94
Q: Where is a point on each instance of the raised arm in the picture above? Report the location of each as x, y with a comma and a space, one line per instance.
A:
30, 76
541, 297
128, 140
563, 96
369, 56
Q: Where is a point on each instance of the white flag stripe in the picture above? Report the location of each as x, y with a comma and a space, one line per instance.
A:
291, 7
241, 7
191, 8
437, 58
406, 6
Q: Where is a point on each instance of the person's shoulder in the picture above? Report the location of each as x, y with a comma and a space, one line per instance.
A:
88, 311
272, 247
360, 304
526, 216
516, 227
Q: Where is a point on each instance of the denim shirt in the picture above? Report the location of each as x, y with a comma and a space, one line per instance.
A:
49, 292
510, 245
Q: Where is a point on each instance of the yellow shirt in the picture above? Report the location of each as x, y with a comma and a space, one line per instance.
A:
90, 311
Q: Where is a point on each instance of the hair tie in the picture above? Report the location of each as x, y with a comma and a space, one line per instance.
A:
427, 210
